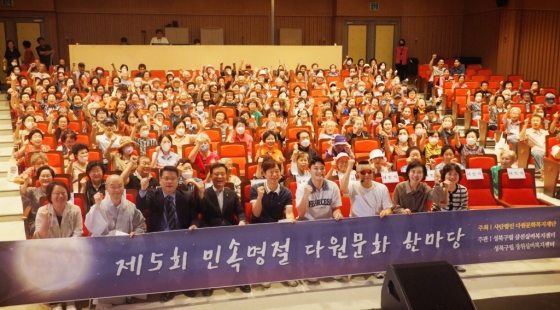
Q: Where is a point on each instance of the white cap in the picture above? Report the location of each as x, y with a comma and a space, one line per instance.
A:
376, 153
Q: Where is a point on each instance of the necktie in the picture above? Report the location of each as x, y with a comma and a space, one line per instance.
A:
169, 208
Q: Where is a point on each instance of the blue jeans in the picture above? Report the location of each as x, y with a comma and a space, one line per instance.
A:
538, 157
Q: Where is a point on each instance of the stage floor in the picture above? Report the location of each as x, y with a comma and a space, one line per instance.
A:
530, 285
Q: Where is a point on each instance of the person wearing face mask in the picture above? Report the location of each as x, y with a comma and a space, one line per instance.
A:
180, 137
120, 159
360, 90
402, 144
304, 144
333, 71
432, 147
476, 106
187, 181
163, 155
239, 134
347, 63
401, 59
471, 148
143, 140
201, 156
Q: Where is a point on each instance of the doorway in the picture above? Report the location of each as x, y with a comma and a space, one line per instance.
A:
19, 30
367, 39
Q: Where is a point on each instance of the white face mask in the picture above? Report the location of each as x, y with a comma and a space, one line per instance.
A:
446, 124
471, 141
83, 159
14, 64
276, 108
507, 98
188, 124
144, 133
433, 140
166, 147
204, 147
419, 131
128, 150
381, 88
382, 67
16, 72
349, 62
100, 72
403, 138
540, 114
200, 109
137, 84
305, 143
187, 174
361, 88
28, 125
240, 130
478, 98
180, 131
333, 70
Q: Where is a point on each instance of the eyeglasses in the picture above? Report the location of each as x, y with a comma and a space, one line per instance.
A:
364, 172
60, 194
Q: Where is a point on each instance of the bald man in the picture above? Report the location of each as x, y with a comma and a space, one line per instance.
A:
113, 214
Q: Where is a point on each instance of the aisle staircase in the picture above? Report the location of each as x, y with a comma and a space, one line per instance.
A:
11, 210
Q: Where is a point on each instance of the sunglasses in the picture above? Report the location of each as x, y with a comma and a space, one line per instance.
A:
368, 171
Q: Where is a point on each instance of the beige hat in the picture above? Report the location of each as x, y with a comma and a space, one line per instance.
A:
126, 141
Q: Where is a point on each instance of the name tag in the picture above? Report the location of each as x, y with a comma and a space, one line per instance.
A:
430, 175
257, 181
389, 177
474, 174
516, 173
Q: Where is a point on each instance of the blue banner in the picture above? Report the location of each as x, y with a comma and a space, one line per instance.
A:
39, 271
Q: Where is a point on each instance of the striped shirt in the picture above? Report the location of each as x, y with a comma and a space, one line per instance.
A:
458, 200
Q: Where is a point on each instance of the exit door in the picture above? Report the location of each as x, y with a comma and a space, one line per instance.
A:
371, 39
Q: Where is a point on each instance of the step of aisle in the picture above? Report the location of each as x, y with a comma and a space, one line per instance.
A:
11, 209
8, 189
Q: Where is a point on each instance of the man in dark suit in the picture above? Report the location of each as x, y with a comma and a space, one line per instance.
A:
170, 208
219, 206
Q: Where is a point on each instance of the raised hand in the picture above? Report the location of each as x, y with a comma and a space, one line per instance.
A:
144, 183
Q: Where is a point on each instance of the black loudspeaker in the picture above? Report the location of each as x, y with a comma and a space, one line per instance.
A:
421, 286
502, 3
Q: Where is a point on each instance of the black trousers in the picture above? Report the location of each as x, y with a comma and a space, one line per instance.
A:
401, 71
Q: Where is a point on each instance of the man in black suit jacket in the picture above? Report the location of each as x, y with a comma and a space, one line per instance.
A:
219, 206
170, 208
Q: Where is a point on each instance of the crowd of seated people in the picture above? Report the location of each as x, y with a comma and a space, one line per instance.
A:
202, 133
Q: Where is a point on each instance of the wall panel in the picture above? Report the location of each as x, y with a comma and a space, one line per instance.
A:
439, 35
539, 47
238, 30
191, 7
507, 43
481, 32
316, 30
